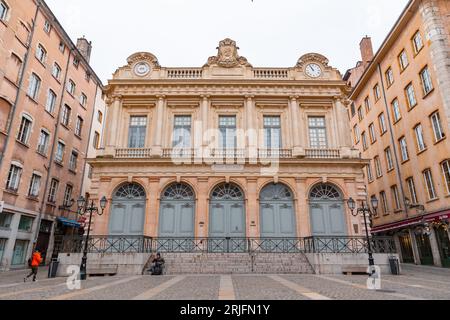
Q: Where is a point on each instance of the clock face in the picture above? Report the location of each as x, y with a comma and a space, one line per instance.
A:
313, 70
142, 69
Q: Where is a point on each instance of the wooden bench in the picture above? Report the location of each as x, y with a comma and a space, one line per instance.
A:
350, 270
102, 271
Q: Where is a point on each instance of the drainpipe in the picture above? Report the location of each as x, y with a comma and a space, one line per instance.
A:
21, 81
394, 145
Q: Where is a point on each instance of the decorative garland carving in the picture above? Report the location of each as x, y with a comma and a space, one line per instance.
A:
227, 56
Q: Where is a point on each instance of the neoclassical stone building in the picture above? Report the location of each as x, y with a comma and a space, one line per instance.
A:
227, 150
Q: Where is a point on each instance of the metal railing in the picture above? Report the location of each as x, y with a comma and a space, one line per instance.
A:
140, 244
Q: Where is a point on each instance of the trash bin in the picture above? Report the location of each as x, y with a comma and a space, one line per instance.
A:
395, 265
53, 268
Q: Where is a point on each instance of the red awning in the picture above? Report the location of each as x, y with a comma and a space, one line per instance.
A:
413, 221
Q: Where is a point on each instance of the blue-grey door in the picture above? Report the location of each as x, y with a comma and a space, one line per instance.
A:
227, 219
127, 215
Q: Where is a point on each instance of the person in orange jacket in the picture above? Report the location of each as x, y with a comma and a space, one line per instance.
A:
34, 264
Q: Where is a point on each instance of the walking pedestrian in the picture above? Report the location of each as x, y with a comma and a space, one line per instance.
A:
34, 263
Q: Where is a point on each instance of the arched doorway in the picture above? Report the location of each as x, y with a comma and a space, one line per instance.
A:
128, 210
327, 211
177, 211
277, 213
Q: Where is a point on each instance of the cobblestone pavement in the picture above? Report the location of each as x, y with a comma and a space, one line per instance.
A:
415, 283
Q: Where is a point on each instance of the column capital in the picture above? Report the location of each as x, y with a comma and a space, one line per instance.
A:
205, 97
116, 97
293, 98
160, 97
249, 97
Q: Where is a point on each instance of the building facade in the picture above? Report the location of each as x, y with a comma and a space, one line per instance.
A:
47, 96
227, 150
401, 122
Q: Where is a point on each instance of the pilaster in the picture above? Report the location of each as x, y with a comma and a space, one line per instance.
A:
158, 129
435, 248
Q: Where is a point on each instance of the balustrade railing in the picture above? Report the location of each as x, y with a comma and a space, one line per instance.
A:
271, 73
184, 73
323, 153
131, 153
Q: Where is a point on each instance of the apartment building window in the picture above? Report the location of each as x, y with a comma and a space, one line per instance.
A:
41, 53
437, 126
68, 195
96, 142
382, 123
419, 138
272, 132
389, 161
378, 169
227, 129
372, 134
47, 26
389, 77
83, 100
367, 104
364, 140
317, 133
410, 96
412, 190
71, 87
17, 68
99, 116
396, 197
79, 126
5, 220
377, 92
404, 149
43, 142
53, 191
369, 172
137, 132
3, 11
14, 175
51, 101
360, 114
73, 161
396, 110
384, 203
35, 84
425, 77
403, 60
25, 224
25, 129
62, 47
56, 71
446, 170
356, 133
182, 132
65, 118
76, 62
417, 42
428, 177
35, 185
59, 156
352, 110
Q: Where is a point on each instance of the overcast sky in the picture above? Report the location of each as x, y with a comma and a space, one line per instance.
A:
270, 33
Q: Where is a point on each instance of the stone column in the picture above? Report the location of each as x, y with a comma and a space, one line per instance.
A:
398, 246
202, 208
415, 249
204, 119
152, 208
253, 214
111, 127
157, 132
295, 123
302, 209
252, 137
435, 248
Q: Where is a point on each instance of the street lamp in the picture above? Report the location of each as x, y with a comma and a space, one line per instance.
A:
364, 209
82, 209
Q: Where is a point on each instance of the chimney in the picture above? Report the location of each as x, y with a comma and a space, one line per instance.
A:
366, 49
85, 48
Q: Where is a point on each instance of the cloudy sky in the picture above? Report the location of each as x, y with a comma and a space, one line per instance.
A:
270, 33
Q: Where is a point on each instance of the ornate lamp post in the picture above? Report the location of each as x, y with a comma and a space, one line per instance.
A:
83, 209
365, 210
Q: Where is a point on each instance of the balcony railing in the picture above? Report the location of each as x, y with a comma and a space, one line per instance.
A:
131, 153
271, 73
323, 153
275, 153
184, 73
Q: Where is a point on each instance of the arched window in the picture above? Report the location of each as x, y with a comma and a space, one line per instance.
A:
178, 191
130, 191
325, 192
227, 191
277, 192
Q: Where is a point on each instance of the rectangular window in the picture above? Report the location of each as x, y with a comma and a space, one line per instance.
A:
367, 104
35, 185
47, 26
76, 62
79, 126
272, 132
35, 84
20, 252
389, 162
412, 190
389, 77
182, 132
360, 114
83, 100
3, 13
24, 130
65, 117
417, 42
404, 149
369, 172
419, 138
71, 87
396, 197
396, 110
5, 220
376, 92
68, 195
446, 171
428, 177
425, 77
44, 139
364, 140
25, 224
403, 60
317, 133
2, 243
378, 169
372, 134
56, 71
410, 96
59, 156
352, 110
51, 101
384, 203
437, 126
73, 161
382, 123
53, 191
62, 47
137, 132
96, 141
356, 133
15, 172
41, 53
227, 129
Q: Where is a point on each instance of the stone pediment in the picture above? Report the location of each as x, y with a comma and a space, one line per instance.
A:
143, 56
310, 58
227, 56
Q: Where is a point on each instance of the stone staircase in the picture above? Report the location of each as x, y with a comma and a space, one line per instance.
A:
236, 263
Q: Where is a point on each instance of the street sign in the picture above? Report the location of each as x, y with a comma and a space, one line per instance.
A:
2, 203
